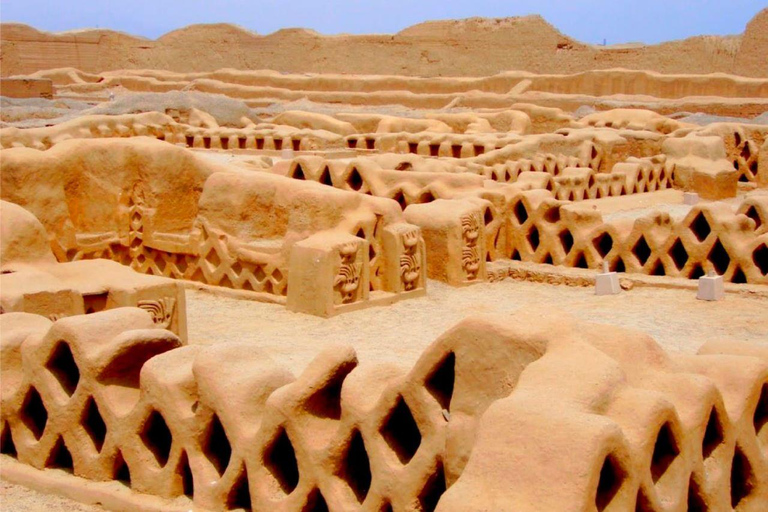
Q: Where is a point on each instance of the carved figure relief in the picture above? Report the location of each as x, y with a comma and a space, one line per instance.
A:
347, 281
470, 254
410, 260
160, 309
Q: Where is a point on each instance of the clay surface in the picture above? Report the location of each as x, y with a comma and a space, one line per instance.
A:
238, 274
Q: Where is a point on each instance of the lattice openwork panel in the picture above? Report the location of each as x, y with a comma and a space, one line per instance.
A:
108, 397
711, 237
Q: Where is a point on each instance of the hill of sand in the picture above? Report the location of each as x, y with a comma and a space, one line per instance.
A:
471, 47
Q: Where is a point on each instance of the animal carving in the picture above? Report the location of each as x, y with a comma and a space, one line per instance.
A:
410, 264
470, 256
347, 281
160, 309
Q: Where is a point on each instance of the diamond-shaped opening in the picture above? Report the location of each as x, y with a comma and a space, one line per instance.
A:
641, 250
760, 259
552, 215
60, 457
95, 302
426, 197
713, 435
617, 265
700, 227
566, 238
120, 470
239, 496
62, 365
185, 472
678, 254
580, 261
738, 276
400, 198
7, 446
603, 244
441, 380
199, 276
325, 177
259, 273
33, 413
385, 507
213, 258
216, 445
277, 275
745, 151
719, 258
226, 282
280, 461
658, 269
548, 259
533, 238
157, 437
433, 489
298, 173
612, 477
354, 180
696, 271
521, 214
160, 262
401, 432
743, 480
94, 424
696, 501
515, 256
487, 216
315, 502
761, 416
237, 267
326, 401
355, 467
665, 452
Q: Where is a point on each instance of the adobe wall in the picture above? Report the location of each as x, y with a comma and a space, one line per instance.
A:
445, 48
526, 412
26, 88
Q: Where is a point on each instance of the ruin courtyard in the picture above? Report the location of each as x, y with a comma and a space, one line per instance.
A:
475, 265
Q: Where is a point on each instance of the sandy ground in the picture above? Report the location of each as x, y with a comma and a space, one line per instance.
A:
15, 498
399, 333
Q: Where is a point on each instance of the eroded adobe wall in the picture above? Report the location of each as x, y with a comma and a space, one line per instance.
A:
111, 198
501, 413
441, 48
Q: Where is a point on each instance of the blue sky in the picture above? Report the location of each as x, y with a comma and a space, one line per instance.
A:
591, 21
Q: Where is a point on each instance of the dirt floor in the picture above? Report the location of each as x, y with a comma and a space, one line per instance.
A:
399, 333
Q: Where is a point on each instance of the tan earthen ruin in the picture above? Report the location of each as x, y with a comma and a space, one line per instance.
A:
133, 180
